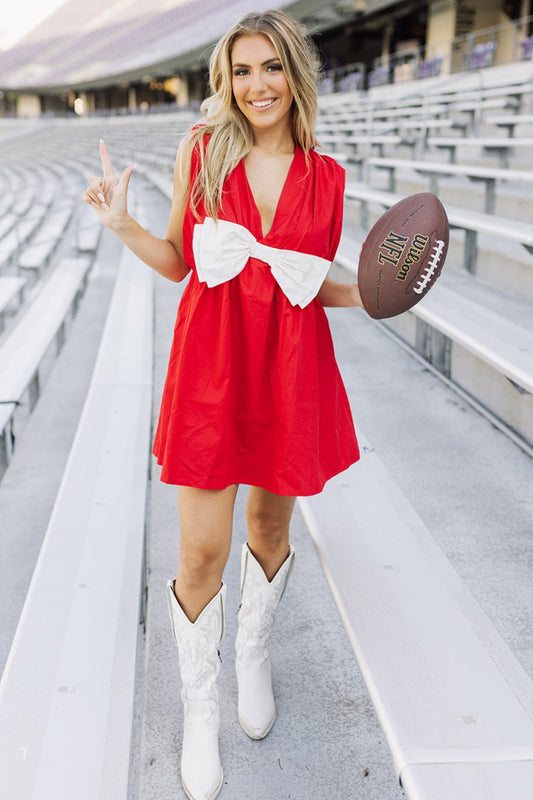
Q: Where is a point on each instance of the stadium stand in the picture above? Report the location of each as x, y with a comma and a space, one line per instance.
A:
21, 354
471, 222
454, 701
511, 122
77, 606
36, 256
10, 289
504, 149
441, 664
8, 221
433, 170
71, 48
88, 230
436, 336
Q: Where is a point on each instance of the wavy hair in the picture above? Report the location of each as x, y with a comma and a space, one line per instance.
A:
224, 136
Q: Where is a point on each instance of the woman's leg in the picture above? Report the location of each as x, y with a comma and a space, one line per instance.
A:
267, 561
268, 517
206, 520
196, 607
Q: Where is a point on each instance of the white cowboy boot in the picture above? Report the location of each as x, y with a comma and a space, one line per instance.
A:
199, 659
259, 601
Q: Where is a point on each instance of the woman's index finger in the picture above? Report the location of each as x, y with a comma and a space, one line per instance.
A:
107, 166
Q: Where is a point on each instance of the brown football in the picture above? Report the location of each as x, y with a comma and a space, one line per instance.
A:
403, 255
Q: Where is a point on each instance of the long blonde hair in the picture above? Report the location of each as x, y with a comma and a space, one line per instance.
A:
228, 131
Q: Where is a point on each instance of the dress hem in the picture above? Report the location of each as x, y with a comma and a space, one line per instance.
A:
213, 485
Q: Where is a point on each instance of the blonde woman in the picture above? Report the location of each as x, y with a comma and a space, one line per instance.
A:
253, 394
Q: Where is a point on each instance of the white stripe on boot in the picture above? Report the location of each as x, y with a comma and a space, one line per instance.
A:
259, 601
198, 643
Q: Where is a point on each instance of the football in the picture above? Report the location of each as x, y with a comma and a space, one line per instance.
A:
403, 255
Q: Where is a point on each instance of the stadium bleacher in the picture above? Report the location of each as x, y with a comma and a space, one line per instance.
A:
71, 48
433, 592
22, 352
73, 598
11, 289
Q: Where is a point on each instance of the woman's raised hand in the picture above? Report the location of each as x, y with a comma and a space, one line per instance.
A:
107, 195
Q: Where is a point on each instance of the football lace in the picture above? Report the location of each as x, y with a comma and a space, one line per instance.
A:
432, 265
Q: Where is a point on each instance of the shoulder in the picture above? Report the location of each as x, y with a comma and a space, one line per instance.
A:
327, 165
328, 175
192, 150
197, 138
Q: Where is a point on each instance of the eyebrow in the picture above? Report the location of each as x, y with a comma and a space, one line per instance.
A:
264, 64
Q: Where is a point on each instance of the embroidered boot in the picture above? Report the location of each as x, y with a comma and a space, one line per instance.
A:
199, 659
259, 601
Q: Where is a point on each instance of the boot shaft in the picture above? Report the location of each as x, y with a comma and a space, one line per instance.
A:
198, 649
259, 602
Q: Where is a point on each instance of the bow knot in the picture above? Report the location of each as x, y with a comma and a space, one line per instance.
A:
222, 249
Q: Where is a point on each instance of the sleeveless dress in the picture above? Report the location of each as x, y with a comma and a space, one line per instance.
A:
253, 393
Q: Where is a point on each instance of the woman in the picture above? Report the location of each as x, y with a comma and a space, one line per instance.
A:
253, 394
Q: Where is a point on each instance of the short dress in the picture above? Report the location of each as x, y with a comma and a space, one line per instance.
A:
253, 393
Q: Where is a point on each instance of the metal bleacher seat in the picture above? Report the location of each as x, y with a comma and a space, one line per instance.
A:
503, 148
88, 230
37, 254
66, 726
472, 222
23, 350
449, 322
448, 691
7, 223
490, 176
29, 213
511, 122
11, 289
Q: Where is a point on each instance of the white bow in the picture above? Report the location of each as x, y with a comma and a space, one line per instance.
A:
222, 249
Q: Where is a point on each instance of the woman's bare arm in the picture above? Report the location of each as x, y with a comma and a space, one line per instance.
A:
109, 199
339, 295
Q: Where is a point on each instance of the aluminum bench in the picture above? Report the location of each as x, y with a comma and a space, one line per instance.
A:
22, 352
67, 692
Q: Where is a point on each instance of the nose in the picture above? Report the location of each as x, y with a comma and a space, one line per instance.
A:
258, 80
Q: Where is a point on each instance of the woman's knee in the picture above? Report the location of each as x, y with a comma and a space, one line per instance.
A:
199, 564
205, 533
272, 529
268, 517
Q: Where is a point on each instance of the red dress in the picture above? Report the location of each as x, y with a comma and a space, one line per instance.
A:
253, 393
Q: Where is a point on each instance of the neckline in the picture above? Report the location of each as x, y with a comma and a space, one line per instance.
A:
288, 177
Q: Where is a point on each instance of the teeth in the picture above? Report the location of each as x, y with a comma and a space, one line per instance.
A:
262, 103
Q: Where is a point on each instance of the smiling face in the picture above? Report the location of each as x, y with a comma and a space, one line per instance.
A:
259, 84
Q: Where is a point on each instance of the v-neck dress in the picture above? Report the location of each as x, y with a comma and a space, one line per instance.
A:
253, 393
